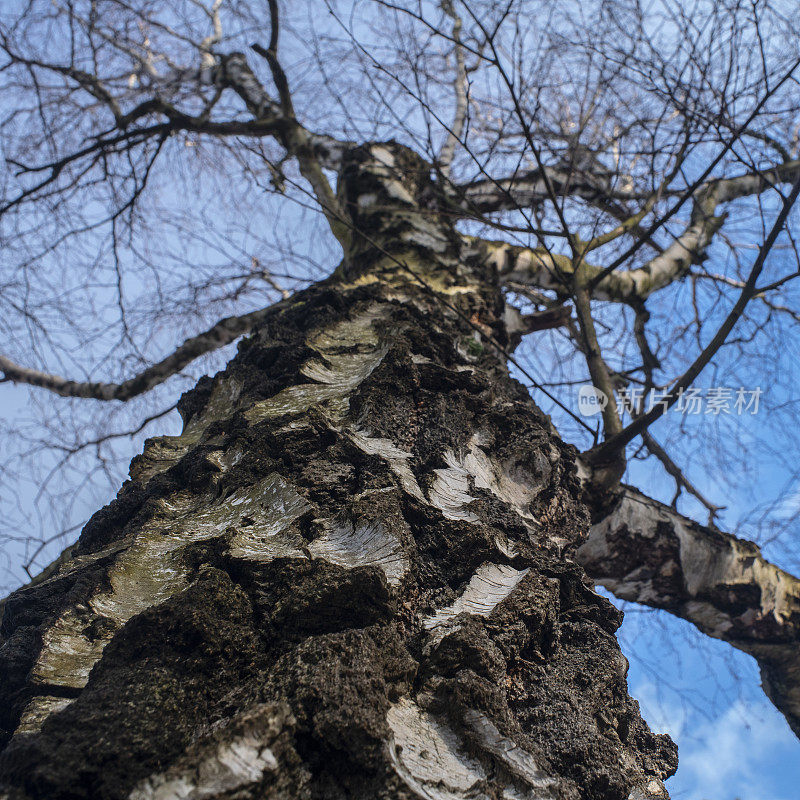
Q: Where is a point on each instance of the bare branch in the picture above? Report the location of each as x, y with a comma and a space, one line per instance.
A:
530, 189
206, 45
681, 481
222, 333
460, 86
611, 447
292, 135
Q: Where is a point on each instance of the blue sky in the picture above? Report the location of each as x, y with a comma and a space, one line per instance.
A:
732, 742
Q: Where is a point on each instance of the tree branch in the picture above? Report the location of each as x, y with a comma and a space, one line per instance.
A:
530, 189
291, 134
460, 86
608, 449
681, 481
223, 333
547, 270
646, 552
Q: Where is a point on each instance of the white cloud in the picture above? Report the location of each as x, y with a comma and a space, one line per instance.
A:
744, 753
662, 716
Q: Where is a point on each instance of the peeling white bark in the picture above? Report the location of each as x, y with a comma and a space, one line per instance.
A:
436, 764
37, 711
518, 761
507, 482
162, 452
349, 350
652, 790
429, 757
239, 763
645, 552
385, 169
397, 459
236, 757
268, 513
149, 570
350, 545
488, 587
450, 490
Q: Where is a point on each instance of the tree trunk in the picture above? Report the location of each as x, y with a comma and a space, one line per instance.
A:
351, 576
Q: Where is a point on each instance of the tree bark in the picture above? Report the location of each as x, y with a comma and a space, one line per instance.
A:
645, 552
351, 576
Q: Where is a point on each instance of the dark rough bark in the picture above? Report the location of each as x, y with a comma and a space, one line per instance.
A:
351, 576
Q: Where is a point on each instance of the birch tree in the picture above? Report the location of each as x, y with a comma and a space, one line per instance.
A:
366, 566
